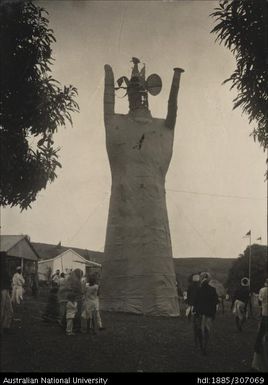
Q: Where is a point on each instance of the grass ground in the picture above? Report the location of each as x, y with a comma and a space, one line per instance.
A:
129, 343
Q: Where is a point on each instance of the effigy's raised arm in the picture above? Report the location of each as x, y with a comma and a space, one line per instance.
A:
108, 93
172, 101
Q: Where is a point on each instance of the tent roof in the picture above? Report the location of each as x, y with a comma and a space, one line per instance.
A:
84, 261
48, 251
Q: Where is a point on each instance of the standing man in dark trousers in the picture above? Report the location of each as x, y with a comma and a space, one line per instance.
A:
205, 306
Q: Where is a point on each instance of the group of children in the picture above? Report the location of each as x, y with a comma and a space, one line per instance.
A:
90, 314
75, 304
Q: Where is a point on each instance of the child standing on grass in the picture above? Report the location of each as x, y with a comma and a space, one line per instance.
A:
91, 308
71, 310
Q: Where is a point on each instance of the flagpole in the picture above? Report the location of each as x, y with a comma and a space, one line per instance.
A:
249, 275
249, 262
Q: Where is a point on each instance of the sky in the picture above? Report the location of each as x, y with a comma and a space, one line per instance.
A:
215, 186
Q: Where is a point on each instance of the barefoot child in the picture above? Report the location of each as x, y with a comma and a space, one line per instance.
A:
71, 310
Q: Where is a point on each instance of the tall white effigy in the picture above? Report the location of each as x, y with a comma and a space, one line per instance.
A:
138, 272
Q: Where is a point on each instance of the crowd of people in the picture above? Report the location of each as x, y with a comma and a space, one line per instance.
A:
73, 302
202, 301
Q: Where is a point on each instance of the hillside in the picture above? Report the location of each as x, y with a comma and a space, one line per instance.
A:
184, 267
217, 267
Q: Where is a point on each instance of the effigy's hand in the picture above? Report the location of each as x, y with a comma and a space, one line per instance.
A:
138, 138
108, 95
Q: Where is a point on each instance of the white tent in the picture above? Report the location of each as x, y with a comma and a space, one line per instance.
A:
65, 262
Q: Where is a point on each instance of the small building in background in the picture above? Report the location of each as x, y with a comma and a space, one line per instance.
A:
66, 259
17, 250
66, 262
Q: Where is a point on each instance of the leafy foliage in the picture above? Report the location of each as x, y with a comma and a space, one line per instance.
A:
242, 26
32, 106
240, 268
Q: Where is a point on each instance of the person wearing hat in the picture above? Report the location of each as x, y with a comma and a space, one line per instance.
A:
56, 278
191, 293
260, 359
205, 306
240, 303
17, 286
190, 300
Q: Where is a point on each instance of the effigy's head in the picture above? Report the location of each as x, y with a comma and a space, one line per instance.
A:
137, 88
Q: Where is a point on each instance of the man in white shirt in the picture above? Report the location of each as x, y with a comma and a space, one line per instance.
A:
56, 278
260, 358
263, 298
17, 286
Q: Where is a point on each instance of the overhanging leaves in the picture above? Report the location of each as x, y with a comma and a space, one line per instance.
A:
242, 26
32, 103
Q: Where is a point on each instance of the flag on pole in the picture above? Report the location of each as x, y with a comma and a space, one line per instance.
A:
258, 239
248, 234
